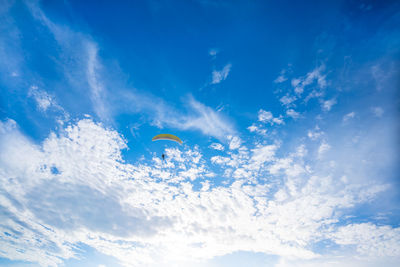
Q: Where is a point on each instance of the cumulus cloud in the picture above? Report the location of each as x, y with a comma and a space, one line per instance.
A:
266, 116
153, 213
217, 146
369, 239
221, 75
234, 142
257, 129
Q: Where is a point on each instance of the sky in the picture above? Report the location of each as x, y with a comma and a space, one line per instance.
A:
288, 112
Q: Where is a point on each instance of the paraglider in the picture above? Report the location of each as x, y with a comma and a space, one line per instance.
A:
169, 137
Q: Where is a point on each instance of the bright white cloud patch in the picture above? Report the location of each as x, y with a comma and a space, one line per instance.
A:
257, 129
220, 75
217, 146
234, 142
267, 117
150, 213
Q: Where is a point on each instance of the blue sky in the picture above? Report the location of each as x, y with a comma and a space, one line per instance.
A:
288, 113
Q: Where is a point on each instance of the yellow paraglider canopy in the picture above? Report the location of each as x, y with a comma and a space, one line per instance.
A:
170, 137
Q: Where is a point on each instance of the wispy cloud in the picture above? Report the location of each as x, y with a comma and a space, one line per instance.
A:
221, 75
98, 92
87, 70
197, 116
79, 62
315, 75
349, 116
281, 78
213, 52
43, 99
292, 113
328, 104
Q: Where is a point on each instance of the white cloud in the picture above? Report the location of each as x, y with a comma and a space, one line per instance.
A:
314, 135
220, 160
253, 128
205, 119
266, 116
281, 78
213, 52
234, 142
349, 116
323, 148
328, 104
221, 75
87, 69
43, 99
292, 113
300, 83
263, 154
197, 116
369, 239
295, 82
287, 100
98, 92
151, 214
217, 146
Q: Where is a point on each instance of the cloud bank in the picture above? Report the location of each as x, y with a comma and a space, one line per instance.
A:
76, 188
